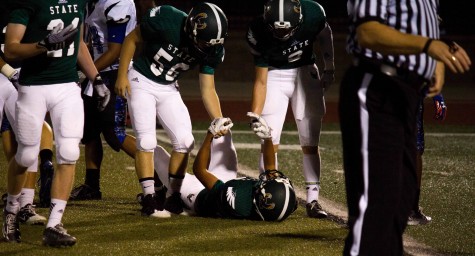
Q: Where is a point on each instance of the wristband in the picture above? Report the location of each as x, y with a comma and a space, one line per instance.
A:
8, 71
427, 45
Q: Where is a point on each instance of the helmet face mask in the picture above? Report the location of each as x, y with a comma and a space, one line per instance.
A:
283, 17
274, 199
206, 26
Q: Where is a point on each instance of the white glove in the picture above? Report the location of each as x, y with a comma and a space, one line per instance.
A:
259, 126
59, 38
220, 126
101, 93
328, 78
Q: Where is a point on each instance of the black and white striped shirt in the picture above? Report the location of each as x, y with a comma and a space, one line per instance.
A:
418, 17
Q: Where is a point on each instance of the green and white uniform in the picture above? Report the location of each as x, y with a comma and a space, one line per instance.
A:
40, 17
294, 52
293, 78
167, 52
233, 199
53, 79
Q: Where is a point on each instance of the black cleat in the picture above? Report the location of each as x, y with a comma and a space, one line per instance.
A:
314, 210
85, 192
149, 207
174, 204
46, 179
11, 228
418, 218
57, 236
28, 215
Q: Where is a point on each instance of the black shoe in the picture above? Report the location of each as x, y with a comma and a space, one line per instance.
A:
160, 197
418, 218
149, 207
46, 179
28, 215
57, 236
314, 210
85, 192
174, 204
11, 228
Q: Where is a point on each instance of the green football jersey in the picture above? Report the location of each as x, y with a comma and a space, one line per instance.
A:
40, 17
167, 50
233, 199
295, 52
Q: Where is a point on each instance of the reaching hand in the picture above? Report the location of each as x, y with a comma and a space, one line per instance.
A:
59, 38
440, 107
259, 126
220, 126
101, 93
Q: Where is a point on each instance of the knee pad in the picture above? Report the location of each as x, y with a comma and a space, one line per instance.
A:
146, 143
185, 145
114, 138
68, 151
27, 155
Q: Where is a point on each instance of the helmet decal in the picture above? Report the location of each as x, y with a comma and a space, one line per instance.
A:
200, 21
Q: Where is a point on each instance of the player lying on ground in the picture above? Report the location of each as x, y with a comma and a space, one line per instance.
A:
215, 191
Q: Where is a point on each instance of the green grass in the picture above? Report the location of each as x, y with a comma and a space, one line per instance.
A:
113, 226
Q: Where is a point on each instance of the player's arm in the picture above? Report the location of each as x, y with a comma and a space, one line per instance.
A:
122, 85
109, 57
325, 40
200, 166
269, 154
209, 96
259, 90
14, 49
85, 61
387, 40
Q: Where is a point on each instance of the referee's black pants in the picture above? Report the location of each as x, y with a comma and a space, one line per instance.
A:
378, 125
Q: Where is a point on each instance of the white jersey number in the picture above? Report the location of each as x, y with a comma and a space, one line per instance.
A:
173, 72
59, 53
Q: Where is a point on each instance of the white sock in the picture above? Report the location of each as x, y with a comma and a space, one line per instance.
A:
148, 186
27, 195
261, 163
56, 212
13, 203
311, 172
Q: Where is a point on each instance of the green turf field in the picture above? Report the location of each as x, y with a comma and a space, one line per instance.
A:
113, 226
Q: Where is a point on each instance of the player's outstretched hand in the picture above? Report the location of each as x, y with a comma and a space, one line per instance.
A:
220, 126
101, 93
259, 126
439, 107
59, 38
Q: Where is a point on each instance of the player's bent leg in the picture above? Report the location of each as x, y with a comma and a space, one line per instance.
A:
46, 166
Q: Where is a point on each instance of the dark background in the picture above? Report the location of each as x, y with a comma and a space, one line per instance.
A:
458, 16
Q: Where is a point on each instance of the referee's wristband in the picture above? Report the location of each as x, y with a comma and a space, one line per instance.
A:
8, 71
427, 45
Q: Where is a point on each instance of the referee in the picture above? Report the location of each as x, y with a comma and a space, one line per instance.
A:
396, 52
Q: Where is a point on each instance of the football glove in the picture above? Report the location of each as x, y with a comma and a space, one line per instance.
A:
259, 126
439, 107
220, 126
59, 38
11, 73
101, 93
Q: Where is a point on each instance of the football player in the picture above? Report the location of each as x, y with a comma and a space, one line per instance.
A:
215, 191
8, 97
107, 24
45, 34
282, 42
173, 42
